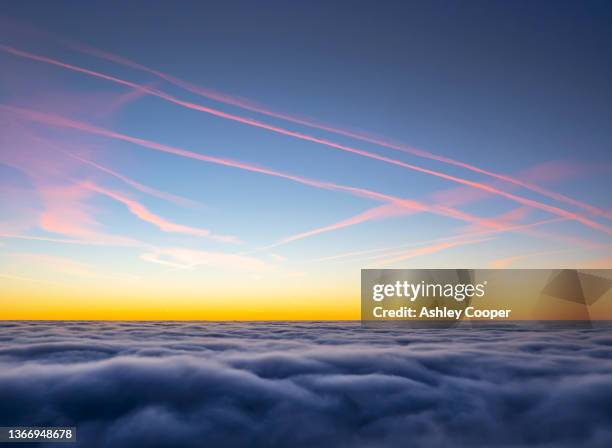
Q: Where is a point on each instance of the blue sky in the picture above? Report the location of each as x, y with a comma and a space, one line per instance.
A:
518, 89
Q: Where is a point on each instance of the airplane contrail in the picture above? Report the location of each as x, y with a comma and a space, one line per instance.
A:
408, 204
378, 212
140, 211
501, 263
393, 250
246, 105
430, 250
52, 240
58, 121
137, 185
519, 199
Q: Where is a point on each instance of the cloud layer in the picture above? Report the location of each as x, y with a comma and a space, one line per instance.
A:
308, 384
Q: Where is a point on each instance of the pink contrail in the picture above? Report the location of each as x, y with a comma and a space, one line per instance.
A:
411, 205
501, 263
390, 210
233, 101
51, 240
33, 280
137, 185
470, 237
143, 213
393, 250
455, 196
519, 199
464, 240
430, 250
355, 191
379, 212
507, 261
130, 96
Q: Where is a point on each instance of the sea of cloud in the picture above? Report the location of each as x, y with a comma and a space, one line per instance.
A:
308, 384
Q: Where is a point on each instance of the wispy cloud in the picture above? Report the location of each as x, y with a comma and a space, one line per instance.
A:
430, 250
55, 120
512, 216
478, 185
398, 250
139, 210
379, 212
50, 239
137, 185
250, 106
21, 278
131, 95
508, 261
460, 195
54, 264
67, 213
181, 258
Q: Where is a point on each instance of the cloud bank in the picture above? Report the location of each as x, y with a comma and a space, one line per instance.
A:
308, 384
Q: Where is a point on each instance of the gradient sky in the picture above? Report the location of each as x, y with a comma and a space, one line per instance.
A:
245, 161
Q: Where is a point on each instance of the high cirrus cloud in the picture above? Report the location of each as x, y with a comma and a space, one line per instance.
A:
163, 224
182, 258
374, 156
308, 384
530, 182
248, 105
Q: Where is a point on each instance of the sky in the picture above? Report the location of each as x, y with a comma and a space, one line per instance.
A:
245, 161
